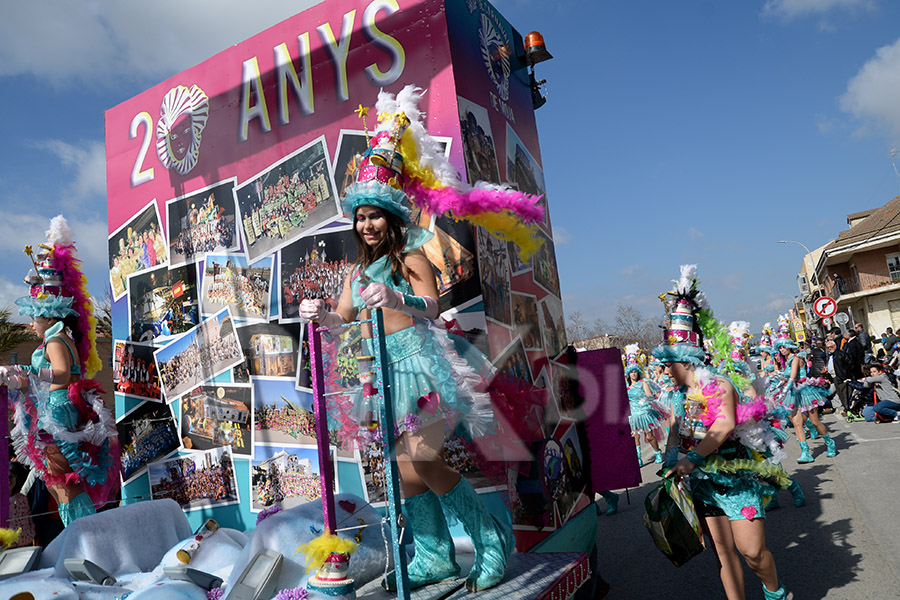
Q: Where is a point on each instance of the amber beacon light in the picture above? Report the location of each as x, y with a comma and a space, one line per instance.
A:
536, 52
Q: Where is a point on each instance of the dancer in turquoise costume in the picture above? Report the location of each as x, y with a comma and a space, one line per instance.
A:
647, 418
725, 446
433, 378
801, 395
62, 429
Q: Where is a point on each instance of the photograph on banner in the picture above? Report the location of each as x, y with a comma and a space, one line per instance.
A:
541, 487
523, 171
561, 389
281, 413
229, 281
315, 267
493, 265
452, 254
290, 199
162, 303
572, 498
478, 141
352, 145
516, 266
199, 355
513, 360
202, 222
546, 273
468, 320
199, 480
270, 349
525, 320
147, 433
286, 475
136, 246
553, 325
340, 349
134, 371
218, 415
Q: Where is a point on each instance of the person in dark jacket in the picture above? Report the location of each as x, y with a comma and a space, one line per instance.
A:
855, 352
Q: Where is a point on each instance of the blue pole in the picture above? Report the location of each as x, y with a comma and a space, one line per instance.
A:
390, 457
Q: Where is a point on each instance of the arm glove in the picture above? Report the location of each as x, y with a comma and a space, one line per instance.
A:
378, 295
314, 311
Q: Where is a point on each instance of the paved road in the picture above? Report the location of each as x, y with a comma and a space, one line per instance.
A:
843, 545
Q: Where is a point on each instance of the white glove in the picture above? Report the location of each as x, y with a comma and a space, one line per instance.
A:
13, 377
378, 295
312, 310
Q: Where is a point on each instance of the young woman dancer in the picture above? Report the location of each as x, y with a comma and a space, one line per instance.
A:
647, 419
433, 384
728, 480
62, 428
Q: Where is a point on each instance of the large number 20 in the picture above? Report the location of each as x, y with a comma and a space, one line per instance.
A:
137, 176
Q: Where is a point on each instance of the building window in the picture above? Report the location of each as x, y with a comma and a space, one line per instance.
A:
893, 263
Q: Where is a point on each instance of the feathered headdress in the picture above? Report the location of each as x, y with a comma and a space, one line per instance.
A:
683, 339
59, 290
404, 162
783, 335
765, 340
632, 359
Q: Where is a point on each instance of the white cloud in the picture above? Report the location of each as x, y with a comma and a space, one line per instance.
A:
9, 291
632, 271
18, 230
872, 93
779, 303
104, 41
88, 163
695, 234
561, 235
788, 10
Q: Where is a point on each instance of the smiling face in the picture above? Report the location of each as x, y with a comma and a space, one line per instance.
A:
371, 225
634, 376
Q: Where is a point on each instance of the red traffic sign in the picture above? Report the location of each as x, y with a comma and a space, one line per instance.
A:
826, 321
825, 306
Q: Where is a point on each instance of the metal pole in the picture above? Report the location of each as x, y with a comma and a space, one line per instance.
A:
392, 482
4, 457
326, 473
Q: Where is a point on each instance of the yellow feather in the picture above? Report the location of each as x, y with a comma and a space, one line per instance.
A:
318, 549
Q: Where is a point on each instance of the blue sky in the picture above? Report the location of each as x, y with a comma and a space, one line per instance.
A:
689, 131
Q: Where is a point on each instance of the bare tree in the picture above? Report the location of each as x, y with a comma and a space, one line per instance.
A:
633, 327
103, 314
576, 329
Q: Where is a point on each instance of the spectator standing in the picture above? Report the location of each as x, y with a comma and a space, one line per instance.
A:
818, 358
855, 352
840, 367
839, 283
889, 344
865, 340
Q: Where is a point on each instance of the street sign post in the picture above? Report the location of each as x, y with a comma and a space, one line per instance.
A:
825, 306
826, 321
841, 318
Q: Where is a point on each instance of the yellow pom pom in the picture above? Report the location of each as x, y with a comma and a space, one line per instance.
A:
318, 549
8, 537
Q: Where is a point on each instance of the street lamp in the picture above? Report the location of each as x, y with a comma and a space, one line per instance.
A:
807, 259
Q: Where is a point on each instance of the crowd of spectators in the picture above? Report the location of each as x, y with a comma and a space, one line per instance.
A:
276, 486
286, 420
149, 443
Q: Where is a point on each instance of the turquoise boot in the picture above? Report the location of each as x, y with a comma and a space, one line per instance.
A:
640, 460
435, 558
811, 432
797, 493
831, 449
805, 456
612, 502
774, 503
80, 506
658, 457
493, 539
779, 594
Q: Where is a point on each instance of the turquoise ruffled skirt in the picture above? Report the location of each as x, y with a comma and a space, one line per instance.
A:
434, 375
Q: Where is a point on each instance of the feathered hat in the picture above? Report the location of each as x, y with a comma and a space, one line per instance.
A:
783, 335
765, 340
404, 167
632, 360
739, 332
59, 289
683, 338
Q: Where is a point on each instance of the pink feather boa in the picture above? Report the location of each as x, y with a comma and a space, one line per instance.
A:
476, 201
66, 261
748, 411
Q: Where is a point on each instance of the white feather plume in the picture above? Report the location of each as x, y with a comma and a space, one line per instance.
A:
632, 349
688, 275
59, 232
738, 328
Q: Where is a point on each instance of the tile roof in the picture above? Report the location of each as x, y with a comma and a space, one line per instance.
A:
881, 221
